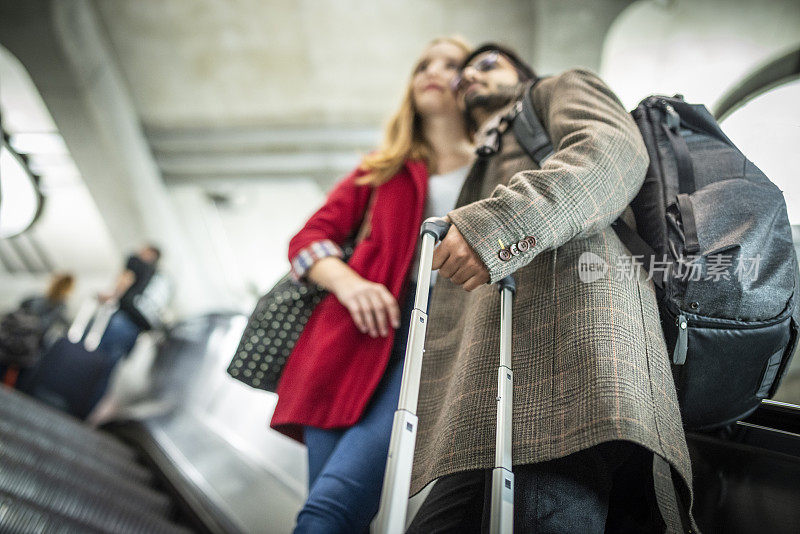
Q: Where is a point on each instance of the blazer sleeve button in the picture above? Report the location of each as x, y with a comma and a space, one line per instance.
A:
504, 254
531, 241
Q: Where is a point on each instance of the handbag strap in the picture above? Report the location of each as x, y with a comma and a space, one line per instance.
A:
366, 226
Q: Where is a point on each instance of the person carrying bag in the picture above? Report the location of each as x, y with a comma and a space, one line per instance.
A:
340, 385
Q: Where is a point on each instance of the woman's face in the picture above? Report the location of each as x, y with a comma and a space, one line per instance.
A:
433, 75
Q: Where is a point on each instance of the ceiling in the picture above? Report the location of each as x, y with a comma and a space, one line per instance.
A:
214, 126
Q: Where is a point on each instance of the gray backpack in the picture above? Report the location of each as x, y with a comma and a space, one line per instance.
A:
713, 231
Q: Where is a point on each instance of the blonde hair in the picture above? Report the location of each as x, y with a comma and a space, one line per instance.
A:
60, 287
402, 138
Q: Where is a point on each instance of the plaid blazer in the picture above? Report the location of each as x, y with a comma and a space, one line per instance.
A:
589, 359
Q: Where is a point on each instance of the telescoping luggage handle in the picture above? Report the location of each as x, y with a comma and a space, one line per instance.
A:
502, 512
397, 478
94, 317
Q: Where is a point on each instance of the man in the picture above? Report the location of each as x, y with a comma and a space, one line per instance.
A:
596, 419
142, 292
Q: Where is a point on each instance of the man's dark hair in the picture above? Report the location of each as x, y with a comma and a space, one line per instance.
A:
154, 249
524, 70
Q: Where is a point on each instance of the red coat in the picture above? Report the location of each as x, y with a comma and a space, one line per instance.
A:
334, 369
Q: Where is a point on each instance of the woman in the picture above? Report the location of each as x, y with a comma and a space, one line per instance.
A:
341, 384
31, 328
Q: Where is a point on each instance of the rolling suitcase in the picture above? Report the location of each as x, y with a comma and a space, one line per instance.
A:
71, 372
397, 478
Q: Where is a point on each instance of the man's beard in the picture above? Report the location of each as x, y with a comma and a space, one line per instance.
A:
491, 102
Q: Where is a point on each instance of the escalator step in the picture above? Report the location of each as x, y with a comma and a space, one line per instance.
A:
20, 517
83, 474
11, 401
99, 508
79, 441
46, 418
113, 464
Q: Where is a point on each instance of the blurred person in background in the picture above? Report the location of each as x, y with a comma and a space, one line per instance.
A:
340, 387
141, 293
28, 330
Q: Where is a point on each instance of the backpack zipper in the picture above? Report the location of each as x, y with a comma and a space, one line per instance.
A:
682, 343
671, 117
683, 322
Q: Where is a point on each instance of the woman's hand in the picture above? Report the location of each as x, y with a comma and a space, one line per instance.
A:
370, 304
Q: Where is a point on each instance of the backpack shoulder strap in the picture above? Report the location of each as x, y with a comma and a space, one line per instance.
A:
637, 246
529, 131
534, 139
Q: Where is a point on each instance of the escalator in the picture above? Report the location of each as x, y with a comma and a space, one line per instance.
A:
191, 452
58, 475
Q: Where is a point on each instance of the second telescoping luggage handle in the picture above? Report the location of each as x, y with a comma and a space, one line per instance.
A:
91, 322
397, 478
502, 511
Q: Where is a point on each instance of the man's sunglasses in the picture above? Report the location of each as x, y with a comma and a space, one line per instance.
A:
486, 63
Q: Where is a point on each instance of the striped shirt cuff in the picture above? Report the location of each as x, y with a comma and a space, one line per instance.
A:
314, 252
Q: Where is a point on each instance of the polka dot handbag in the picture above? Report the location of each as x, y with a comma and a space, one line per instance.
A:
277, 322
273, 329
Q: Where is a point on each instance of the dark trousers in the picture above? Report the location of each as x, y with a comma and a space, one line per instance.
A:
606, 488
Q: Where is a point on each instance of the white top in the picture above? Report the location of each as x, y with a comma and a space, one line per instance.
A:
443, 190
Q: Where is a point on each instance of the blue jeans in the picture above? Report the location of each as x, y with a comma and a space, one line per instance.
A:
120, 336
117, 342
346, 466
